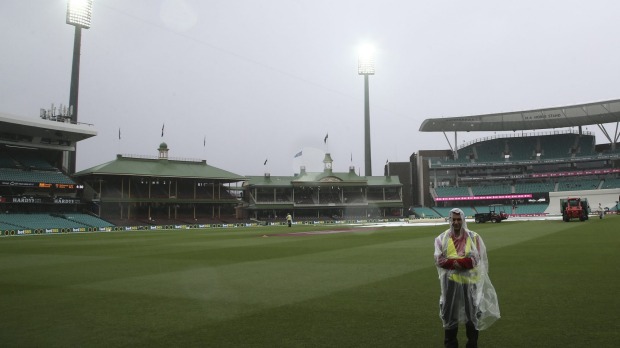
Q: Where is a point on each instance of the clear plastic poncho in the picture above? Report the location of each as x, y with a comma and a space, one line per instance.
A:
466, 294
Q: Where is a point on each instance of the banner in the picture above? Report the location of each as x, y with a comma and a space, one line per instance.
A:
479, 198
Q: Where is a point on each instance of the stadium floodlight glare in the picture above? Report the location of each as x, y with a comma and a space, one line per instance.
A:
79, 13
366, 61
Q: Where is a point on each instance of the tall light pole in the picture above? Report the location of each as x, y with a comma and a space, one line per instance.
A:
366, 67
78, 15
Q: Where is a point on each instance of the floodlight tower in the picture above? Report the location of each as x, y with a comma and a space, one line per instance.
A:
78, 15
366, 67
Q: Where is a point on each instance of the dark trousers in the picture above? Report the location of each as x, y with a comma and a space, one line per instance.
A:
455, 293
290, 223
451, 341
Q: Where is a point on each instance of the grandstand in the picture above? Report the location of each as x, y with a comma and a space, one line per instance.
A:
36, 192
17, 221
610, 183
325, 195
520, 170
494, 189
425, 212
530, 209
161, 190
17, 175
445, 211
519, 187
579, 185
452, 191
524, 172
33, 179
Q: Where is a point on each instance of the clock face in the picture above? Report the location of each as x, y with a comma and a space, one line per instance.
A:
328, 165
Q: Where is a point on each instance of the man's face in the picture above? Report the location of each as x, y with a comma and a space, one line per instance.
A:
457, 222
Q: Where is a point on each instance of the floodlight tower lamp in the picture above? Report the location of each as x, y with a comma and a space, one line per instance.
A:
79, 13
366, 61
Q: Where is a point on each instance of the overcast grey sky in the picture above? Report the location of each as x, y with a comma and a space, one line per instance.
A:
267, 79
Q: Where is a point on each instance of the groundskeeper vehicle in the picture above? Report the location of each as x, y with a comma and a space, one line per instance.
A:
496, 214
574, 208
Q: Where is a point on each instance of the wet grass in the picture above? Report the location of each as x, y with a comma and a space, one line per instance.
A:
256, 287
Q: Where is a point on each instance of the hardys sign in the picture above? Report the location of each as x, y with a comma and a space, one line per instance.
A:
66, 201
27, 200
40, 200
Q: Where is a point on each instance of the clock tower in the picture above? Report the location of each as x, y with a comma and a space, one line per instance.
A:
328, 162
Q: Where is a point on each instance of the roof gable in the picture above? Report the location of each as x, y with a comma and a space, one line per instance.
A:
160, 168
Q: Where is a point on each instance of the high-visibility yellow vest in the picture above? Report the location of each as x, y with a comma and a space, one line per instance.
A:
464, 276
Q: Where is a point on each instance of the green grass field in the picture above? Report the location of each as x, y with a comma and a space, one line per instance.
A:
557, 285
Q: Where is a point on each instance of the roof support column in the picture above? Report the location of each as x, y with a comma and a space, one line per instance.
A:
448, 140
456, 154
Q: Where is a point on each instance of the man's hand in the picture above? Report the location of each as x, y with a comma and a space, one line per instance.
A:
464, 263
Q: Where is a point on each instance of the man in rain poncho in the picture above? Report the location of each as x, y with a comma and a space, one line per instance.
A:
467, 295
289, 219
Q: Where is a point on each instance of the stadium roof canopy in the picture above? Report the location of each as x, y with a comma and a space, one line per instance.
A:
557, 117
42, 133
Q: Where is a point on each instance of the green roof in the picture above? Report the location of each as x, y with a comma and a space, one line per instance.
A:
160, 168
349, 178
271, 181
326, 176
